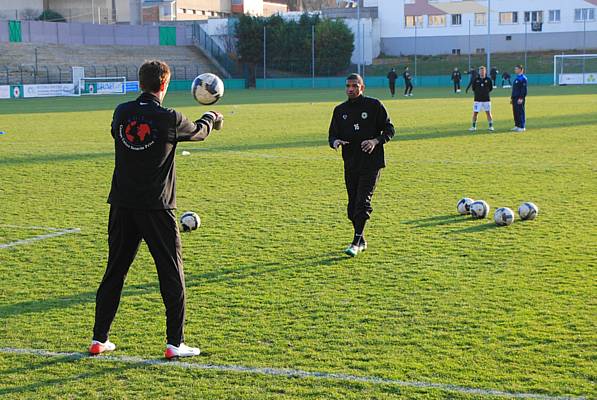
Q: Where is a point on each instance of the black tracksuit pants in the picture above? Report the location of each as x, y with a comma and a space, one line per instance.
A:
392, 88
360, 186
159, 229
408, 87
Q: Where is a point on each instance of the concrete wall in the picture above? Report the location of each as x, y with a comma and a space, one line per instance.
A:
93, 34
366, 48
536, 41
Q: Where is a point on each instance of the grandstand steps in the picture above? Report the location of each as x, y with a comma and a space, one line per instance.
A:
54, 62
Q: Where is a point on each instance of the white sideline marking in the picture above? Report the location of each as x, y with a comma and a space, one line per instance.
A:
55, 232
291, 373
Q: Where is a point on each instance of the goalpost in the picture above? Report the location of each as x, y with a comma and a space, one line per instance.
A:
102, 85
575, 69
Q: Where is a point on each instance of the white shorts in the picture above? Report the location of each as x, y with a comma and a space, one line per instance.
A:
479, 106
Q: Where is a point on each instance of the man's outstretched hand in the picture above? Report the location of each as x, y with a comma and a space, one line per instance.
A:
338, 143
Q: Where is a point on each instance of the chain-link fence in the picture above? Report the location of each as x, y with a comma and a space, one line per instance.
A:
41, 74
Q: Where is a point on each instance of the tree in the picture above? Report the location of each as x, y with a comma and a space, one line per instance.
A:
51, 16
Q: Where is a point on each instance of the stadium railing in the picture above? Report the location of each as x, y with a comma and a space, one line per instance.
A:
209, 46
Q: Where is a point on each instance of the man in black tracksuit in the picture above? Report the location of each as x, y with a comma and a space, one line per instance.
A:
408, 84
142, 202
392, 76
456, 78
360, 125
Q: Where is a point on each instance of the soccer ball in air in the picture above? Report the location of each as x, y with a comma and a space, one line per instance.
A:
190, 221
503, 216
207, 89
464, 205
528, 210
479, 209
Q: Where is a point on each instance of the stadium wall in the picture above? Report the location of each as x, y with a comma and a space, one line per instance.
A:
94, 34
375, 82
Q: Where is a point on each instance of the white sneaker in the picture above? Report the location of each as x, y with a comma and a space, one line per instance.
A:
472, 129
352, 250
491, 129
520, 129
181, 351
515, 129
96, 347
362, 246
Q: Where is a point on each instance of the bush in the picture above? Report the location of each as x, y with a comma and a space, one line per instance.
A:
51, 16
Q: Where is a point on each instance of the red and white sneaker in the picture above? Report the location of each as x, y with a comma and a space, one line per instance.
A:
98, 347
181, 351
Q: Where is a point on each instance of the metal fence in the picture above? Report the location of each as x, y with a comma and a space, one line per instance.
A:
30, 74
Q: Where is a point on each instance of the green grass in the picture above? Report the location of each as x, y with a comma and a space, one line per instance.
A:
437, 298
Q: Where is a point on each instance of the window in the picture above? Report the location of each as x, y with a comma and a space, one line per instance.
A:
480, 50
409, 1
509, 37
437, 20
409, 20
508, 18
456, 51
456, 19
533, 16
584, 14
480, 19
554, 15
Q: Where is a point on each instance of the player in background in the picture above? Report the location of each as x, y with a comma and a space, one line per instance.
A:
408, 85
482, 86
493, 73
518, 99
361, 126
392, 76
456, 78
472, 73
142, 203
506, 82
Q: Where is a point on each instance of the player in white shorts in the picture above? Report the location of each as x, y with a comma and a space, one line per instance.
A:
482, 85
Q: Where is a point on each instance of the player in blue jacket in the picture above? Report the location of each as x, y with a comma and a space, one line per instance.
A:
519, 94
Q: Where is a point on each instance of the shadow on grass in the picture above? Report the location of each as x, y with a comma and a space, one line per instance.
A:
476, 228
34, 388
438, 220
226, 275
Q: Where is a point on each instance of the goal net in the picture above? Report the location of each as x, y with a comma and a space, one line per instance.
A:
575, 69
102, 85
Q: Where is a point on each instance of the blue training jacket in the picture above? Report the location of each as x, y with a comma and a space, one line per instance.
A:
519, 87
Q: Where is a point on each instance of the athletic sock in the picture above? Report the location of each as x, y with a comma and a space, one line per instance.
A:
359, 228
491, 124
474, 124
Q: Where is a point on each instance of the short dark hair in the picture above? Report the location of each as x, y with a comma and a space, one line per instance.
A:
355, 77
519, 66
152, 74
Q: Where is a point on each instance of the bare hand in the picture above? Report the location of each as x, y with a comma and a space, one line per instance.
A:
519, 101
338, 143
368, 145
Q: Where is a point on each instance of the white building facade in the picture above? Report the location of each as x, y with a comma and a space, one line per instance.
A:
461, 26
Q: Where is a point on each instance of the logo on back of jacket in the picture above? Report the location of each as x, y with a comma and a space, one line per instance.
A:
136, 135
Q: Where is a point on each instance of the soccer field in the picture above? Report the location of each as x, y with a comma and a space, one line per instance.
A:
440, 306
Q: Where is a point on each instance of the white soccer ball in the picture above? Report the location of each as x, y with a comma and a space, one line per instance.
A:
503, 216
479, 209
207, 89
190, 221
464, 205
528, 210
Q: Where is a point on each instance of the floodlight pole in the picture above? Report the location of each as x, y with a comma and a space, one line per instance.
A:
358, 36
525, 46
313, 56
415, 71
469, 45
584, 45
264, 50
488, 34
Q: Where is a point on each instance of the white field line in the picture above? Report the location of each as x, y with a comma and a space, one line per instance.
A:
54, 232
291, 373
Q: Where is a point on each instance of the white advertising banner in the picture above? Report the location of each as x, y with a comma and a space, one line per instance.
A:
4, 92
49, 90
590, 78
109, 87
